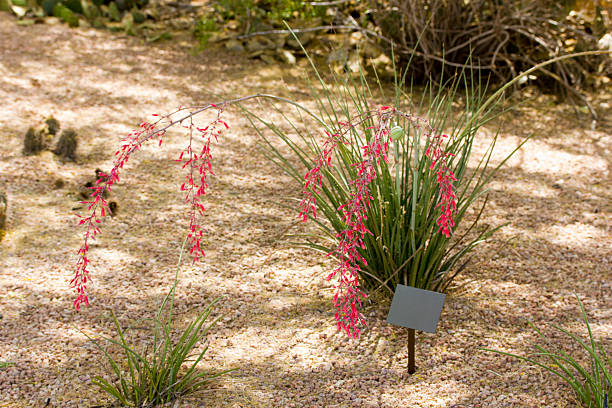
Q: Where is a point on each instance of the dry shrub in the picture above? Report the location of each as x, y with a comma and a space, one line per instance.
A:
498, 37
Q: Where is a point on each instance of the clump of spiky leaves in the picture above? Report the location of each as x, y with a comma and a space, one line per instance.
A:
157, 376
403, 241
4, 364
592, 385
405, 245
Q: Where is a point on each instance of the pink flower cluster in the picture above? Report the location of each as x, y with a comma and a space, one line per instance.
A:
348, 296
314, 177
98, 207
444, 178
196, 184
199, 168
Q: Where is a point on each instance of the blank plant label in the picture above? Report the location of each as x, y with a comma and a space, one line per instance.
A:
417, 309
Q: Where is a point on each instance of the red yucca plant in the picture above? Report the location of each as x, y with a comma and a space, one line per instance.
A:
421, 255
197, 164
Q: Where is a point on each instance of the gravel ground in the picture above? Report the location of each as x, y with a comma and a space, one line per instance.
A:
278, 324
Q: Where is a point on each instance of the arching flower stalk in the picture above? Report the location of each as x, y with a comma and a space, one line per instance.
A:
197, 163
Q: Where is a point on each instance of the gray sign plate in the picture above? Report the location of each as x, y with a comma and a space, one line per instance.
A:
417, 309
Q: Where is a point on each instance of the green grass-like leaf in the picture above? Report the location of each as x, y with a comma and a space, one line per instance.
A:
158, 376
593, 385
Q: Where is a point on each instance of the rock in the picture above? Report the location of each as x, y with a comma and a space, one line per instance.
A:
67, 145
286, 56
234, 45
259, 44
3, 210
605, 43
268, 58
356, 38
19, 11
382, 61
52, 21
354, 62
32, 142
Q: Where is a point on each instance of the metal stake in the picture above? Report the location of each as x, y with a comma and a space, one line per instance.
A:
411, 367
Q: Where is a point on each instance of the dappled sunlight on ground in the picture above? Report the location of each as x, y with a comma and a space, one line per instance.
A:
277, 321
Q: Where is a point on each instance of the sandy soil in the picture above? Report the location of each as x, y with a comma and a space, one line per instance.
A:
278, 325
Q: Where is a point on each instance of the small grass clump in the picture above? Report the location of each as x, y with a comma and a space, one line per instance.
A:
157, 377
592, 385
